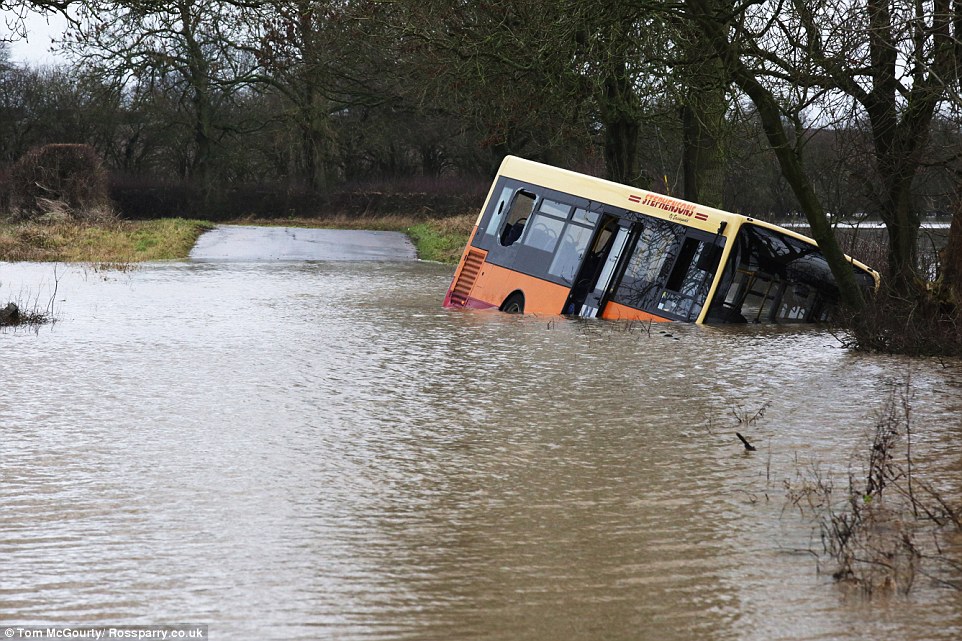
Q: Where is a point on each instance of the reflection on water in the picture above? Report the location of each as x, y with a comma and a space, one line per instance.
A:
308, 451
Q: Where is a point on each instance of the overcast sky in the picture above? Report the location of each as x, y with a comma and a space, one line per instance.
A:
35, 50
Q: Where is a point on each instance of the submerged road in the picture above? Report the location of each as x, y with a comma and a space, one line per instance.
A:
239, 243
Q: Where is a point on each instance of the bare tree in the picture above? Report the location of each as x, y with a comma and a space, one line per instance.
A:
15, 13
888, 63
544, 76
328, 59
187, 49
703, 85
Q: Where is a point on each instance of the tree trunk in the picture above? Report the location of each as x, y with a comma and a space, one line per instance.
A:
314, 147
312, 107
901, 114
198, 74
703, 116
200, 168
621, 128
703, 167
789, 157
903, 232
898, 146
952, 255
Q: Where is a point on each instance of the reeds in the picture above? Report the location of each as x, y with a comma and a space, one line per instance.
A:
887, 527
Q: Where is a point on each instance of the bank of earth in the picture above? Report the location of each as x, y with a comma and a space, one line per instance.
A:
124, 242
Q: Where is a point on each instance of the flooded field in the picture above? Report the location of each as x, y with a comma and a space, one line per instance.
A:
319, 451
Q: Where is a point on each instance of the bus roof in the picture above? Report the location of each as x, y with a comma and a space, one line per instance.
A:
638, 200
618, 195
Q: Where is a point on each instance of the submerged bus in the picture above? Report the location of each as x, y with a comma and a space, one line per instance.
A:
552, 241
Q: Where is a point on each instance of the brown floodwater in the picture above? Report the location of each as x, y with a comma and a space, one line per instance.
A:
319, 451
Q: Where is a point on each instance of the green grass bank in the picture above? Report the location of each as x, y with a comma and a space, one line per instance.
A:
124, 242
114, 242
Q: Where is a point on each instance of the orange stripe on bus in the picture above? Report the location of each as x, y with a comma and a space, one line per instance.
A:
494, 284
616, 311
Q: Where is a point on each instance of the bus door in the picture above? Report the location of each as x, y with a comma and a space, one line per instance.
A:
599, 266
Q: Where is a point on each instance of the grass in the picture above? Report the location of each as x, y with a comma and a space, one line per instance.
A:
123, 242
442, 240
118, 242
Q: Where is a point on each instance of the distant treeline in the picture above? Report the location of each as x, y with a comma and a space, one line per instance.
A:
297, 107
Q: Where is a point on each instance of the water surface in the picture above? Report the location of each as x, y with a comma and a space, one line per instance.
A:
318, 450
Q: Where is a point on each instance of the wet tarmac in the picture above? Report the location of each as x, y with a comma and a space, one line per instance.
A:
238, 243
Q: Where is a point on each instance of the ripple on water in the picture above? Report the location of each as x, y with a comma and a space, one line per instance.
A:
303, 451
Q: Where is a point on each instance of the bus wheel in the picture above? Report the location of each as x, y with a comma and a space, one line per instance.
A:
513, 304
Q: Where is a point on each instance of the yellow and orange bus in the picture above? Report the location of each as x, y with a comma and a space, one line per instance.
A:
552, 241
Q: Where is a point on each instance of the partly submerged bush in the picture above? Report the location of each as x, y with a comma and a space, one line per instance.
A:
926, 323
889, 525
59, 182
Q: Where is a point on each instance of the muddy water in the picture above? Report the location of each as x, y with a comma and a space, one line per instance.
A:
314, 451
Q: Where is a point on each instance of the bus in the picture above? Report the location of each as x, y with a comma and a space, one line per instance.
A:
555, 242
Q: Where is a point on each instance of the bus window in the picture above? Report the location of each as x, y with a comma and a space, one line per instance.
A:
585, 217
554, 208
690, 278
644, 274
568, 257
772, 277
543, 232
680, 273
499, 211
796, 305
518, 215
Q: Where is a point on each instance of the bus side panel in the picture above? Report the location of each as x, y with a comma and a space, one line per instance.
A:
616, 311
495, 284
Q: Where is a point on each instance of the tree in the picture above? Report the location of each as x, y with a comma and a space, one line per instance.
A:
15, 14
49, 104
187, 49
543, 78
888, 63
297, 59
494, 65
323, 57
739, 49
700, 87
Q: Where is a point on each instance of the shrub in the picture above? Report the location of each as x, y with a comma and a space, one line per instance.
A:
58, 182
922, 324
886, 528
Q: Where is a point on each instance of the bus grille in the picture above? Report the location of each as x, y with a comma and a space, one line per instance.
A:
469, 274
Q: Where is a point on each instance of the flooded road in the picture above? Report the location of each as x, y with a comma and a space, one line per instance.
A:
248, 243
319, 451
